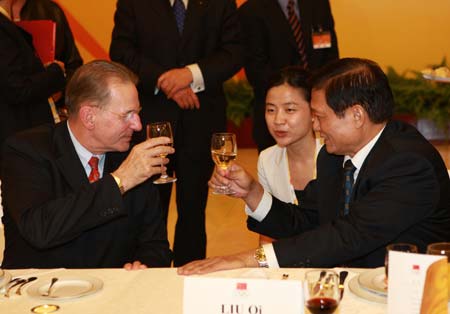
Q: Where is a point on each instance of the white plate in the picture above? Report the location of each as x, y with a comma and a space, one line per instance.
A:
4, 280
65, 288
374, 281
436, 78
356, 289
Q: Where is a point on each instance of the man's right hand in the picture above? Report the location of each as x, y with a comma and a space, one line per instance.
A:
240, 182
143, 162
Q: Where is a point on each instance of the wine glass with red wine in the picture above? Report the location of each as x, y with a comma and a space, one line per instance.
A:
321, 291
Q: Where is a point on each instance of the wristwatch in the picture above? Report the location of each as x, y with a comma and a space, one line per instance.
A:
119, 184
261, 258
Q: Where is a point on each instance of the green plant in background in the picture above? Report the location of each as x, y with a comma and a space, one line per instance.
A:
239, 95
422, 98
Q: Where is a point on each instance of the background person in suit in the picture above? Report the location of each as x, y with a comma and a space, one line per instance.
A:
63, 210
270, 45
400, 192
25, 83
182, 63
65, 48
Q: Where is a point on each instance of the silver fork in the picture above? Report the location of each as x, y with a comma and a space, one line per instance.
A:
16, 283
19, 289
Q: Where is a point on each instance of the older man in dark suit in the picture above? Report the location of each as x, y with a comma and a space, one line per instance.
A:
72, 197
182, 51
279, 33
378, 182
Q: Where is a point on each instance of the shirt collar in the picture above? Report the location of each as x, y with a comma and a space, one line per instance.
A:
184, 1
85, 154
359, 158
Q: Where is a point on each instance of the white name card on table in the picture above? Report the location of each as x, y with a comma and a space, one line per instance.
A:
417, 283
206, 295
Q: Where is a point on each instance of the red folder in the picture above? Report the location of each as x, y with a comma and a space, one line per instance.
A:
44, 35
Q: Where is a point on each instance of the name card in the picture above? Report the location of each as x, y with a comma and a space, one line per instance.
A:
417, 283
206, 295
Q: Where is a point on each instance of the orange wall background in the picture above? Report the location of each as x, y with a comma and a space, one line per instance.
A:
406, 34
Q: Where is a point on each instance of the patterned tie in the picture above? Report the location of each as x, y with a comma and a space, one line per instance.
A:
94, 175
349, 170
297, 32
179, 11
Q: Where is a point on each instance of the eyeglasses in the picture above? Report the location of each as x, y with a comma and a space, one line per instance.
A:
126, 116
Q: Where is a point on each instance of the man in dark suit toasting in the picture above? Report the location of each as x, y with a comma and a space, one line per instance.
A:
378, 182
72, 197
182, 51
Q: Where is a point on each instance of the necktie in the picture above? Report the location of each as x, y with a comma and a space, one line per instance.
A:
94, 175
297, 32
349, 170
179, 11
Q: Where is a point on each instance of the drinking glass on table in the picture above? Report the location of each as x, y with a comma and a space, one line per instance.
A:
223, 152
321, 291
400, 247
159, 129
441, 248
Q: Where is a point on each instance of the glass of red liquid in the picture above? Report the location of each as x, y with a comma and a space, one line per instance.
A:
321, 290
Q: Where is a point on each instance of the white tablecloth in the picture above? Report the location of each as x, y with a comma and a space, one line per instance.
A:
153, 291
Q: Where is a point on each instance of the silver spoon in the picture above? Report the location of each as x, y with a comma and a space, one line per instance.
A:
19, 290
47, 294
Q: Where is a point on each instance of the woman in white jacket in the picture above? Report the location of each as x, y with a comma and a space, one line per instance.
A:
286, 168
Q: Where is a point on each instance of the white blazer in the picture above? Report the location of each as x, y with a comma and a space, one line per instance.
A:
273, 172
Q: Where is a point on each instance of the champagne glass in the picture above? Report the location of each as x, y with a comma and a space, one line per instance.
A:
223, 152
321, 291
441, 248
159, 129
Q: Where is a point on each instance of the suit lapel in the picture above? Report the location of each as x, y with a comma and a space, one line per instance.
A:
16, 32
163, 11
68, 162
331, 176
376, 157
194, 13
279, 21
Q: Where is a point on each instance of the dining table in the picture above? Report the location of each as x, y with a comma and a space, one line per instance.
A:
153, 290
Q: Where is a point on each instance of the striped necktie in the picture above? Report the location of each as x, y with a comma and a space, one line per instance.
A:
349, 170
179, 10
297, 32
94, 175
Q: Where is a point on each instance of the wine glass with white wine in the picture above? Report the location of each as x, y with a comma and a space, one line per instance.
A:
223, 152
159, 129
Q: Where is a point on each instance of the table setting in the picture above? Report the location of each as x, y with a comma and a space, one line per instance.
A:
160, 290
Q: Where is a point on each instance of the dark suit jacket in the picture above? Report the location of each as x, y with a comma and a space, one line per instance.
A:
53, 217
145, 38
25, 84
401, 195
65, 48
270, 46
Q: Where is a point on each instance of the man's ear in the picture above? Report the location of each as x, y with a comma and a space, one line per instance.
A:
359, 115
87, 115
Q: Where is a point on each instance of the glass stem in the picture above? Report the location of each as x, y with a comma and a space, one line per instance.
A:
163, 172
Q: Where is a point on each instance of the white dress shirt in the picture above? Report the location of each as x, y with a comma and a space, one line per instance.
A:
85, 155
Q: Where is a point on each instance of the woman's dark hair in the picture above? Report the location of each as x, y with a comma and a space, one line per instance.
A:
294, 76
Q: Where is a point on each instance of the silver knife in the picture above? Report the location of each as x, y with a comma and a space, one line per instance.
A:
342, 276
